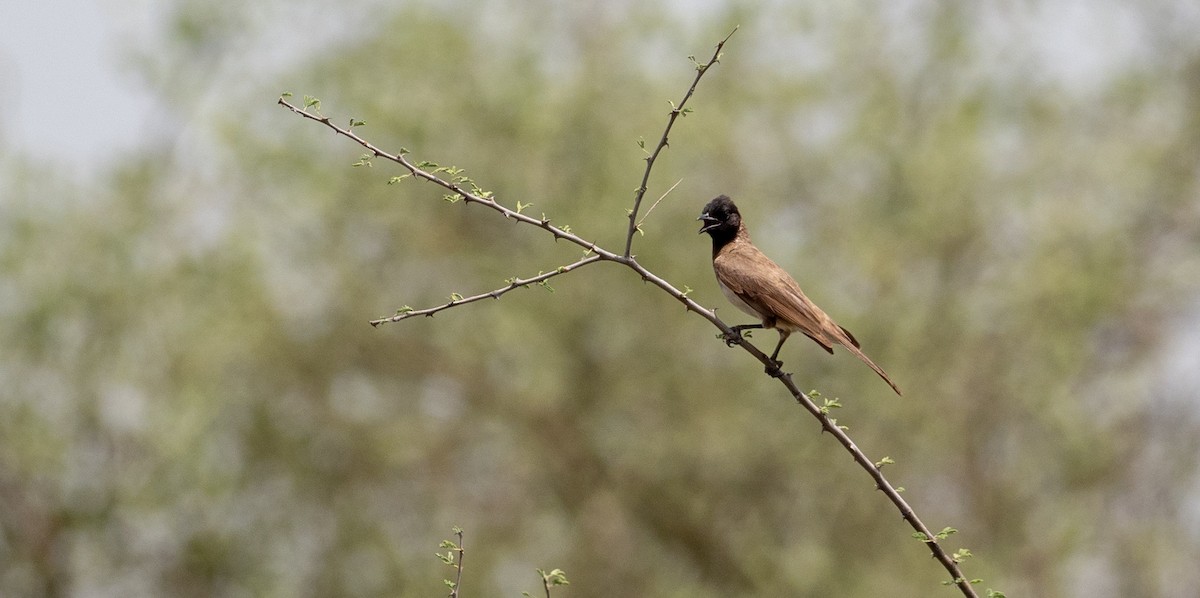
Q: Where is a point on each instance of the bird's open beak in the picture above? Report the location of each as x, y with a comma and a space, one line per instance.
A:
710, 222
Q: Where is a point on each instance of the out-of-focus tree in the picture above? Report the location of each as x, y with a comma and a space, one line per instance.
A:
193, 403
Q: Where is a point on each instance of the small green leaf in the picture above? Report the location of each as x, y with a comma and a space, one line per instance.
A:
884, 461
521, 206
557, 577
356, 123
286, 94
426, 164
451, 197
920, 536
566, 228
311, 102
686, 291
404, 310
455, 297
397, 179
946, 533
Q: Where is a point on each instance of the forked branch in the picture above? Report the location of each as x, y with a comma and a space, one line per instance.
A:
460, 187
676, 111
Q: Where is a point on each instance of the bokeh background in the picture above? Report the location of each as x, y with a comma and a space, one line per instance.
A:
1001, 199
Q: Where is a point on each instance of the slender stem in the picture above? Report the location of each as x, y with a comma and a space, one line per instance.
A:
515, 283
676, 110
459, 566
453, 187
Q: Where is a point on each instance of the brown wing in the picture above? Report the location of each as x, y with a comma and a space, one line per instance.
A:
769, 289
761, 283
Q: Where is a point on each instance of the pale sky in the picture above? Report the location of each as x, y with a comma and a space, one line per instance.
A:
66, 96
69, 97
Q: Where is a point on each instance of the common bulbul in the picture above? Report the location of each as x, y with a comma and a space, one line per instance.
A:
758, 286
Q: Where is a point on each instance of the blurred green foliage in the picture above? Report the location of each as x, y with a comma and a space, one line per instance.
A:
192, 402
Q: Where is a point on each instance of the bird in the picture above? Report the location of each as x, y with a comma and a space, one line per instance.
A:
759, 287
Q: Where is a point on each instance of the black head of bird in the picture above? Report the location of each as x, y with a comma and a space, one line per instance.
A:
721, 219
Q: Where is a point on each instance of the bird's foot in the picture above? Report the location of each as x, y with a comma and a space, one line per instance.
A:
732, 338
775, 370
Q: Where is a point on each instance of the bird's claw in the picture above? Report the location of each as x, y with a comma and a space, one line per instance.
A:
775, 370
732, 338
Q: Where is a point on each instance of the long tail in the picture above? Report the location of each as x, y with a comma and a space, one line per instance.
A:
878, 370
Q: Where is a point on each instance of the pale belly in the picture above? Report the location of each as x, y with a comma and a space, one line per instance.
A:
737, 301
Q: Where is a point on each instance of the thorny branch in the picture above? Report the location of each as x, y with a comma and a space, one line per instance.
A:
595, 253
513, 283
676, 110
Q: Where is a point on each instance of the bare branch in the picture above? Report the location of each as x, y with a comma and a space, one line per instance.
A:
455, 189
676, 110
513, 283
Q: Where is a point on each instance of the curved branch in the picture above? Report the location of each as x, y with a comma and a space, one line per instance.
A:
456, 188
513, 283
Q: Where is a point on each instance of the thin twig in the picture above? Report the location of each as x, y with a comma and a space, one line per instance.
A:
454, 188
513, 283
655, 204
676, 110
557, 577
461, 551
450, 559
